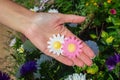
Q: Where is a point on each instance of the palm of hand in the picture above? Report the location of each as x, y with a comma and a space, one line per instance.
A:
45, 25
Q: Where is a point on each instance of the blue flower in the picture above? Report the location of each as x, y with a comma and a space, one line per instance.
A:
42, 59
93, 45
112, 61
28, 67
73, 24
4, 76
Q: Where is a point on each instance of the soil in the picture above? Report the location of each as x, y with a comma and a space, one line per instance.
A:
6, 60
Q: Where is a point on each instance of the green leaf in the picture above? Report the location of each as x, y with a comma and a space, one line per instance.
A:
116, 21
109, 19
93, 36
111, 78
104, 34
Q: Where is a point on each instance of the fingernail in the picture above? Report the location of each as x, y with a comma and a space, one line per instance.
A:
83, 66
83, 17
73, 65
90, 63
93, 57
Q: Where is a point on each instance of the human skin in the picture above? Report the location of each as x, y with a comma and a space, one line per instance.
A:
39, 27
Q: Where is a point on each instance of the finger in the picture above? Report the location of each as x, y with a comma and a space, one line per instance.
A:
78, 62
60, 58
85, 59
64, 60
88, 51
72, 18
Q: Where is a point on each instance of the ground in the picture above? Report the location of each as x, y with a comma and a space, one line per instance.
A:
6, 60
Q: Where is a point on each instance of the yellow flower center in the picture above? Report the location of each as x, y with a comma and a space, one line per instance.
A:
57, 45
71, 47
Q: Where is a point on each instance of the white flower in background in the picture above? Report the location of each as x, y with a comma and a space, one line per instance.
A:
21, 49
53, 11
93, 45
35, 9
76, 76
55, 44
12, 43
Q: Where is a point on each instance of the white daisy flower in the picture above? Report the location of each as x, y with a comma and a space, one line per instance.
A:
76, 76
55, 44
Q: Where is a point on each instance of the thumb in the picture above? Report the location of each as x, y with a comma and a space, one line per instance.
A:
72, 18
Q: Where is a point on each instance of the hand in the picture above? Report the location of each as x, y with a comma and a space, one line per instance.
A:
44, 25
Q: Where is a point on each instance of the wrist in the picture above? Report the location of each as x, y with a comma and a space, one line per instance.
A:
24, 22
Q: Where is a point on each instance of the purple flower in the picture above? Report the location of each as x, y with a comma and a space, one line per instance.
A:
4, 76
28, 67
113, 11
112, 61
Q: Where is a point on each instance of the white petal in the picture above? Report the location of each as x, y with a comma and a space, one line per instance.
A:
62, 36
49, 42
54, 36
50, 50
58, 35
49, 46
51, 38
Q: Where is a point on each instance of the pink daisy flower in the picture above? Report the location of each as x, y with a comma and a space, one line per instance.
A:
72, 47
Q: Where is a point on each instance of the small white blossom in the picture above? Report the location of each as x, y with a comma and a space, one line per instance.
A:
76, 76
12, 43
53, 11
35, 9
